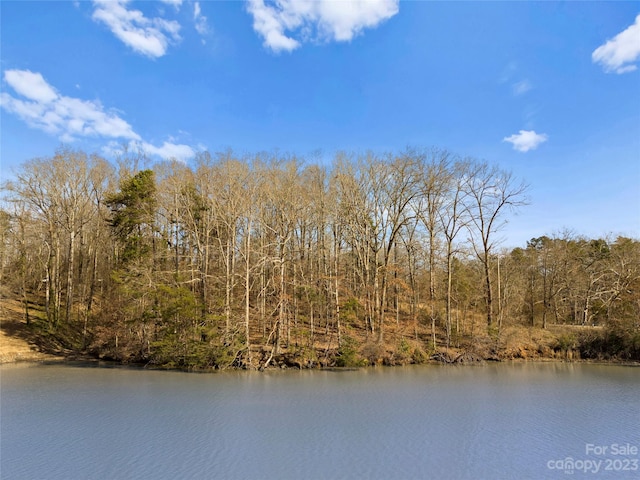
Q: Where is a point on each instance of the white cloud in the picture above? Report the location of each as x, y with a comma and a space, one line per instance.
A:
175, 3
43, 108
30, 85
148, 36
521, 87
316, 19
526, 140
200, 20
169, 150
620, 53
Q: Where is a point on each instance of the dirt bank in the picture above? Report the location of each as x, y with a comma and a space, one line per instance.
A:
18, 343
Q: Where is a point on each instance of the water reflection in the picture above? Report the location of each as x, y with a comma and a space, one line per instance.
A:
492, 421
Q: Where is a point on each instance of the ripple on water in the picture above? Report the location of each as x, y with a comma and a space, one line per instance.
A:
439, 422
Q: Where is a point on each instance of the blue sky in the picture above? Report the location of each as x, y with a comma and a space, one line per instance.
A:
547, 90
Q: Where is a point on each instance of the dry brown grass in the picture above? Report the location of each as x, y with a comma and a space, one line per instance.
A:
526, 342
18, 342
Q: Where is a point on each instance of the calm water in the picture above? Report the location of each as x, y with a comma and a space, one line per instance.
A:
496, 421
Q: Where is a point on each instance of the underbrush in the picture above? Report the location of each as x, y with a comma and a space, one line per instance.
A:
610, 344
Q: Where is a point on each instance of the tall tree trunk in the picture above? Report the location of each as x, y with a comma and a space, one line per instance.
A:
337, 286
23, 270
488, 289
70, 271
228, 285
282, 300
247, 292
379, 295
47, 291
25, 299
449, 293
92, 290
57, 294
396, 290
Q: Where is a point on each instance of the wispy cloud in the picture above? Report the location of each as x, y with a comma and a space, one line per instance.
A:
199, 19
147, 36
510, 75
176, 3
621, 52
508, 72
281, 20
42, 107
169, 150
521, 87
526, 140
529, 114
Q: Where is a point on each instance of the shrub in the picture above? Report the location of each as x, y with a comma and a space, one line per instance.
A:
403, 353
348, 353
565, 342
373, 353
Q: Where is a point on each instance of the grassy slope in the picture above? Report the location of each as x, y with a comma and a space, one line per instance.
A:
19, 341
22, 342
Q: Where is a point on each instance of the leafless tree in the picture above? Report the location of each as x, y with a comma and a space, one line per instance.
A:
491, 193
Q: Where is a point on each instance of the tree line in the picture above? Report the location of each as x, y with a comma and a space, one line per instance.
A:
236, 260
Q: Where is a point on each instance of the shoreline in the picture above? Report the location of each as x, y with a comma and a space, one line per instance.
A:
38, 358
21, 345
32, 356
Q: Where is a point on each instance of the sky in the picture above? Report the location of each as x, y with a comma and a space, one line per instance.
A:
549, 91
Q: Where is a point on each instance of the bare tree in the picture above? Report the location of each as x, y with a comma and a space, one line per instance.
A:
491, 192
435, 177
452, 217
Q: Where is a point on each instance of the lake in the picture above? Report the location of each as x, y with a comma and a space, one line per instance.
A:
522, 420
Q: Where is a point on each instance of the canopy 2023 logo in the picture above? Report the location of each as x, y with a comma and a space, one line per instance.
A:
615, 457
